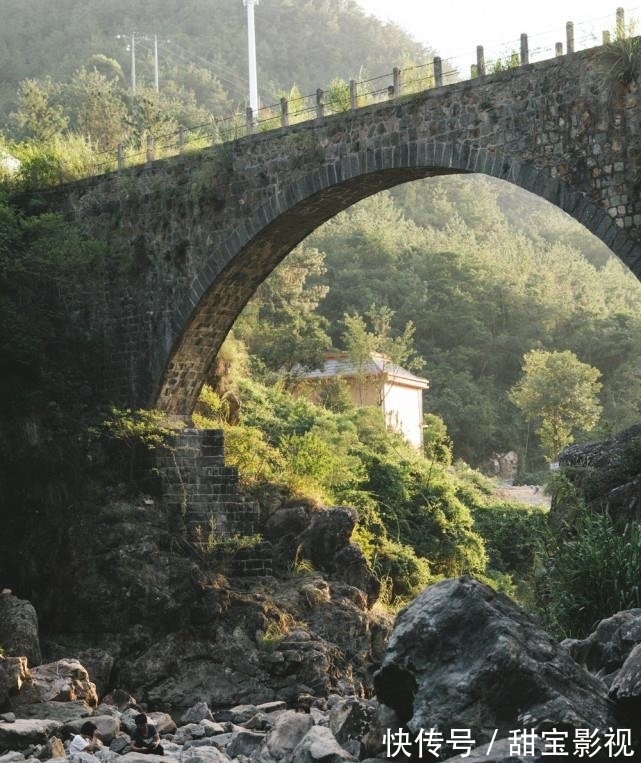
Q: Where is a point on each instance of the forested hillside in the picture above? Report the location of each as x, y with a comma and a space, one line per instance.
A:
202, 47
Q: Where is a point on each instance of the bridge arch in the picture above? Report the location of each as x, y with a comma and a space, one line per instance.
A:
203, 230
274, 229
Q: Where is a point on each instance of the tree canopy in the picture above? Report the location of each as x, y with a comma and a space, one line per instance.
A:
559, 392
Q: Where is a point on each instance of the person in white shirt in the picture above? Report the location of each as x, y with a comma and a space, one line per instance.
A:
86, 741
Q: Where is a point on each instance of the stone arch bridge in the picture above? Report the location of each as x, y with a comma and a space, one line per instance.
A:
189, 239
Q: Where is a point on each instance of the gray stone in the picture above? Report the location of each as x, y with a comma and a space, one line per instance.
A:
65, 680
627, 684
12, 757
197, 713
108, 727
289, 730
464, 656
59, 711
25, 732
245, 742
350, 719
319, 746
605, 650
19, 628
205, 755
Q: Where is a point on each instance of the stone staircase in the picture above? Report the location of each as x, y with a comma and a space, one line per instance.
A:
200, 491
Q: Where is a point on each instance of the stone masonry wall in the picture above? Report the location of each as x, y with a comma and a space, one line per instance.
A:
202, 494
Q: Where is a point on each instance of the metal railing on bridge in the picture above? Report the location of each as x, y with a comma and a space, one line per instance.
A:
341, 97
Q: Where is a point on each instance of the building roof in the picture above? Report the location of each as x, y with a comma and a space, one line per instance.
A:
339, 364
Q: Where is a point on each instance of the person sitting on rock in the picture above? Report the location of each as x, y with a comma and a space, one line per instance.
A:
145, 738
86, 741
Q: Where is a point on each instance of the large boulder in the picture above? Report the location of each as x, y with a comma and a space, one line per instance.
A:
288, 731
606, 476
19, 628
605, 650
24, 733
328, 533
462, 655
65, 680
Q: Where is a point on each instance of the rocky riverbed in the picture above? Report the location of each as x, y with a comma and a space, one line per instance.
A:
465, 673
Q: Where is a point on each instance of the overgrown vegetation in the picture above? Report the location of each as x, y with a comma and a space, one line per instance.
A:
593, 571
618, 62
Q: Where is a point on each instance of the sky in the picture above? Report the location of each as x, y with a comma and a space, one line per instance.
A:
454, 29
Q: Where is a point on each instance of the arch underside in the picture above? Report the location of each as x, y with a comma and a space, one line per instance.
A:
212, 316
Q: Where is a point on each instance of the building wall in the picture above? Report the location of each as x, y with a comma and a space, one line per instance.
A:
403, 409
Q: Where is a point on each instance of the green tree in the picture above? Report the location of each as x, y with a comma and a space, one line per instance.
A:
280, 325
97, 108
39, 116
559, 392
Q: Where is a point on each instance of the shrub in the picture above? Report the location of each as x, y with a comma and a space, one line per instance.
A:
591, 574
405, 572
513, 537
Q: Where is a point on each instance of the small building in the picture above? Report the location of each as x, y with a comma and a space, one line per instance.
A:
376, 382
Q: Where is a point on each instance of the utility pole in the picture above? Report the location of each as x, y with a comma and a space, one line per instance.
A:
156, 63
251, 47
133, 64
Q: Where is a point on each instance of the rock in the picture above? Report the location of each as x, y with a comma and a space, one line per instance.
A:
188, 732
182, 669
163, 722
201, 755
12, 757
19, 628
198, 712
328, 533
24, 733
289, 730
319, 746
606, 475
504, 751
384, 718
238, 714
283, 529
61, 681
464, 656
211, 727
108, 727
605, 650
119, 699
350, 720
59, 711
245, 742
53, 749
352, 567
4, 688
15, 672
627, 683
99, 665
119, 744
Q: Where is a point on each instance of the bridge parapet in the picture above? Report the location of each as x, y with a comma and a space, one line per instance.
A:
340, 97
